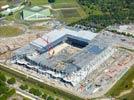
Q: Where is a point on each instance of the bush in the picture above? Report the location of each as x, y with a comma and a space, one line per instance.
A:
10, 92
50, 98
44, 96
26, 98
2, 77
35, 91
51, 1
24, 87
7, 95
11, 80
3, 88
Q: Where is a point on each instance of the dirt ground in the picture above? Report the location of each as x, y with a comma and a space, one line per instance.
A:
7, 45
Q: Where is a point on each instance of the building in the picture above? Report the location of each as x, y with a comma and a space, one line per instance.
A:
36, 13
65, 54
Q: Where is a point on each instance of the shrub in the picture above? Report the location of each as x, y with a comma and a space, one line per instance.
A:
2, 77
44, 96
35, 91
24, 87
50, 98
11, 80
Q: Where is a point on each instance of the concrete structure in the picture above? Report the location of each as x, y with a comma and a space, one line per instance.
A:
37, 51
78, 60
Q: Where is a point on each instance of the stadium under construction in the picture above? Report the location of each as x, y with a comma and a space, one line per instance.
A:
74, 57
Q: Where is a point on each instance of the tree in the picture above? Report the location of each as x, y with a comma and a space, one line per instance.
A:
0, 15
51, 1
24, 87
50, 98
2, 77
44, 96
35, 91
11, 80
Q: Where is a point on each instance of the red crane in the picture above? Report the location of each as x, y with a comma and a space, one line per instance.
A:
49, 47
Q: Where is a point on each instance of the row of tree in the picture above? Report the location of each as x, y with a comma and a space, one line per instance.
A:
5, 91
36, 92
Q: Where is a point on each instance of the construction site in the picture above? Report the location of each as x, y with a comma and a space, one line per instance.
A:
77, 60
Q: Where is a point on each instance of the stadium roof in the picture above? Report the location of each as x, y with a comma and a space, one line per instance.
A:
57, 34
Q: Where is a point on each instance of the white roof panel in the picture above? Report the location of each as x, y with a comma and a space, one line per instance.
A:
58, 33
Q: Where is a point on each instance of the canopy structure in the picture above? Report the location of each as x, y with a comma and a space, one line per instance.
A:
36, 13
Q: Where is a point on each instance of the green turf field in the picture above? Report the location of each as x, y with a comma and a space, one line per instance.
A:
8, 31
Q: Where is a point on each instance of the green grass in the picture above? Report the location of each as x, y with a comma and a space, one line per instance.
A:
38, 28
39, 2
43, 2
65, 1
3, 2
71, 15
5, 91
15, 16
64, 5
129, 96
124, 83
8, 31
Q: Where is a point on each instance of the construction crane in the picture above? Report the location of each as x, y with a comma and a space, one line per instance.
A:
50, 50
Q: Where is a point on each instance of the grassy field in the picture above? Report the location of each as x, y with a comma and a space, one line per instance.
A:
43, 2
39, 28
65, 1
125, 83
71, 15
39, 2
8, 31
129, 96
67, 16
64, 5
3, 2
